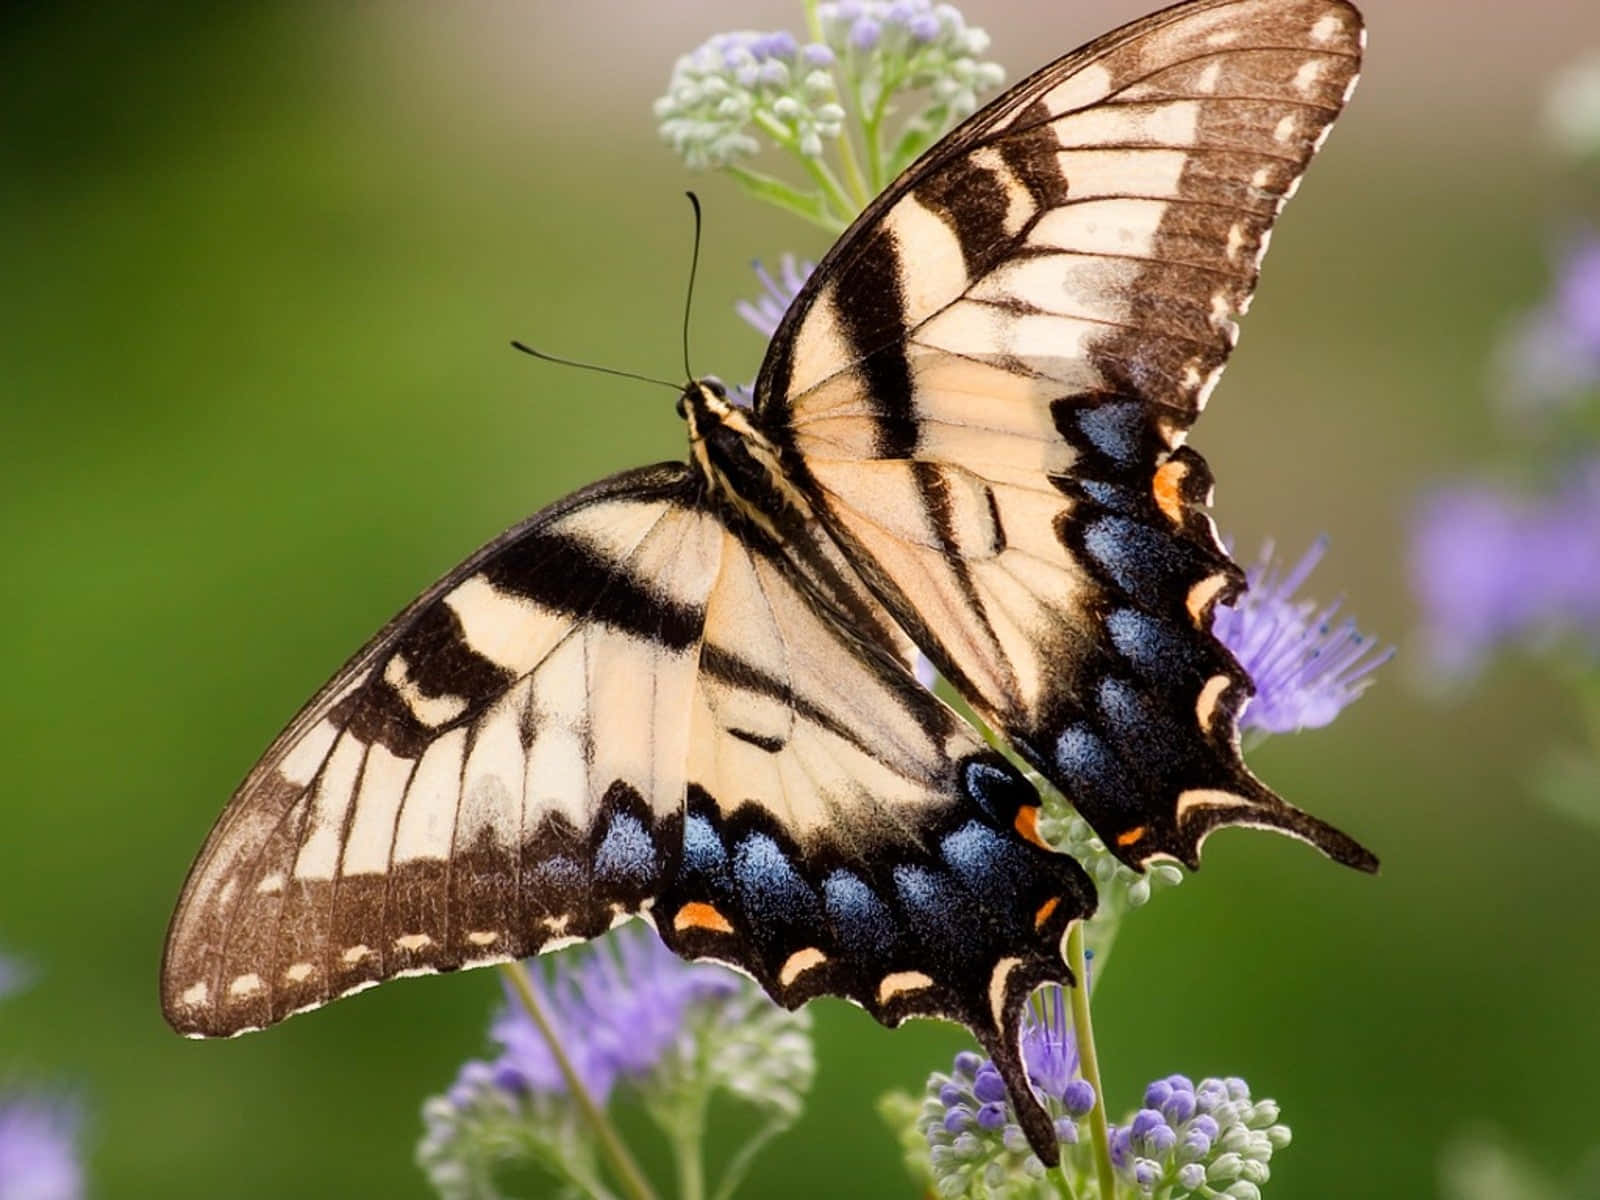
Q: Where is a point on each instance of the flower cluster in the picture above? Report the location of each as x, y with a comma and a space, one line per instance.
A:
1208, 1140
901, 44
1306, 667
625, 1012
868, 64
739, 80
971, 1143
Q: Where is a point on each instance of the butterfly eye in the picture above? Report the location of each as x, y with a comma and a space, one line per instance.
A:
718, 388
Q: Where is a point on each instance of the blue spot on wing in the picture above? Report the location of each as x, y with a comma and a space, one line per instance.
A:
1139, 559
626, 854
988, 864
1115, 429
557, 874
1152, 645
861, 921
703, 852
1098, 781
998, 789
770, 889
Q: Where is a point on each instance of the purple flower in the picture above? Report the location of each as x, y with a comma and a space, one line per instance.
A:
1490, 567
1553, 352
1188, 1137
38, 1150
766, 310
1306, 668
619, 1010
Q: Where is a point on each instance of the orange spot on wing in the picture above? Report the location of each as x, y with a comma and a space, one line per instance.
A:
697, 914
1169, 478
1027, 824
1133, 835
1045, 909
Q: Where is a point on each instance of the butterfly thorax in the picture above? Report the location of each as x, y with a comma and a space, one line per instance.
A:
737, 461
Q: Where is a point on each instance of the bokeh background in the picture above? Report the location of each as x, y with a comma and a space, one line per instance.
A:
261, 263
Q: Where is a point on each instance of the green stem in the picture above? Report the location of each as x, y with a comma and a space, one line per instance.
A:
1089, 1064
816, 168
628, 1173
691, 1166
739, 1164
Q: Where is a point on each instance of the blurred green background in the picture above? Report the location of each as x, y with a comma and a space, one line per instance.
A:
261, 265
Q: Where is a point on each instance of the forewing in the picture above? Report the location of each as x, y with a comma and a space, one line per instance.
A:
500, 770
986, 385
847, 833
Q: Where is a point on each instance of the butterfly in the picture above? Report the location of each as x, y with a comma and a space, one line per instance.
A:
686, 692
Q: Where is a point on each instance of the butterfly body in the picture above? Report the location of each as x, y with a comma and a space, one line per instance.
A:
687, 692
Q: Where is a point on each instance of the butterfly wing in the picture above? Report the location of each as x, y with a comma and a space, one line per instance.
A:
624, 706
986, 384
500, 769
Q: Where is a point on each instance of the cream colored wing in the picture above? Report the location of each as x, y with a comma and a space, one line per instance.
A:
501, 770
985, 387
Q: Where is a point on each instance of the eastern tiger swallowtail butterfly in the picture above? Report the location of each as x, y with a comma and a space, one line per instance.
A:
686, 691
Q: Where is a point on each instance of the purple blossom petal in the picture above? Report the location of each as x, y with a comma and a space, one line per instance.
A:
619, 1010
1048, 1048
1553, 352
38, 1150
1490, 567
766, 311
1306, 668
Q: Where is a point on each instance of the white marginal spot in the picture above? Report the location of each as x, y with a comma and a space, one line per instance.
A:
355, 954
1261, 178
225, 896
1223, 37
299, 765
413, 941
558, 925
1306, 77
432, 711
1235, 241
245, 985
270, 885
560, 943
1205, 708
483, 937
1328, 28
1207, 82
298, 972
196, 994
1284, 130
902, 981
997, 987
798, 963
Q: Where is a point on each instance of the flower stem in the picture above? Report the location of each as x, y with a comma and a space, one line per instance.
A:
628, 1173
1089, 1064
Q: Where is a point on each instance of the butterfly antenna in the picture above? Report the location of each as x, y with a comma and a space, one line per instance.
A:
572, 362
694, 265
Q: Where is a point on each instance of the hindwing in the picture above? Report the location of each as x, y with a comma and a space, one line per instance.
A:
985, 386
